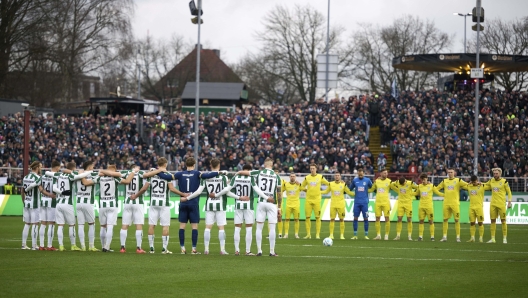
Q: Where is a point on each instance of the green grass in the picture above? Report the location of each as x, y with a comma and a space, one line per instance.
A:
305, 267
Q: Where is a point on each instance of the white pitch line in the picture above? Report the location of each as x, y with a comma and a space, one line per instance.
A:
404, 259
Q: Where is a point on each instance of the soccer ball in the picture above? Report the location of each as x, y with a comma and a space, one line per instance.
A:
328, 242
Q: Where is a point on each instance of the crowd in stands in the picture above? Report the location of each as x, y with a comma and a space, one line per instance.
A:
427, 131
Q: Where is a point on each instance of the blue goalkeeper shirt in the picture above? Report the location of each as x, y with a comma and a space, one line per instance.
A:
361, 186
189, 181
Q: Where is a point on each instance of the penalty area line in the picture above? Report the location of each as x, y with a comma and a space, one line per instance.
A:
404, 259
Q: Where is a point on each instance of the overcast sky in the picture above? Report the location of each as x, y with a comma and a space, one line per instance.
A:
230, 25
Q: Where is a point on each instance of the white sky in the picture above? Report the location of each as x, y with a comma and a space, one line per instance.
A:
230, 25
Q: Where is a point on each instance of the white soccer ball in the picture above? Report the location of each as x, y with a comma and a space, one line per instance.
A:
328, 242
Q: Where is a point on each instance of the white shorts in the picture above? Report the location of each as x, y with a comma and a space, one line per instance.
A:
47, 214
31, 215
265, 209
215, 216
85, 213
108, 216
244, 216
133, 213
65, 214
161, 213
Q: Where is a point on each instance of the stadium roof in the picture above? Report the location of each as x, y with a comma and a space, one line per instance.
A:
214, 91
456, 62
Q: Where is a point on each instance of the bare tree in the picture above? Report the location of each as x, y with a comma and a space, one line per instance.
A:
506, 38
292, 39
377, 46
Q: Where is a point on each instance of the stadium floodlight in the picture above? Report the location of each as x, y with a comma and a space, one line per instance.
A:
465, 15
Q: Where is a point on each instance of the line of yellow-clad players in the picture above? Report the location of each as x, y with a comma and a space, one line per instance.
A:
406, 191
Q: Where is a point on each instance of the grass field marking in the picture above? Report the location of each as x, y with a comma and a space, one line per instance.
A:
405, 259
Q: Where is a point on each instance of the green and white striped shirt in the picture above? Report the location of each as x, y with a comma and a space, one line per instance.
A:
244, 187
108, 191
215, 185
134, 187
159, 191
32, 197
86, 194
267, 181
64, 182
47, 184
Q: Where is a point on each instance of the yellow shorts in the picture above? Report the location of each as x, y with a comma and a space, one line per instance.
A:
452, 210
382, 208
497, 211
312, 205
476, 214
295, 211
426, 212
340, 211
405, 209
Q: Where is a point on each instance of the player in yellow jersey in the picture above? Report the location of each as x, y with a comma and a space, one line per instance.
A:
312, 185
500, 191
476, 209
425, 208
293, 204
337, 188
382, 188
451, 187
404, 189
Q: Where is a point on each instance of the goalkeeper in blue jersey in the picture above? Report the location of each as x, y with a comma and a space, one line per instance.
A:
360, 185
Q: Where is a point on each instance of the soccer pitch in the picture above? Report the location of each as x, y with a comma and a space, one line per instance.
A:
304, 268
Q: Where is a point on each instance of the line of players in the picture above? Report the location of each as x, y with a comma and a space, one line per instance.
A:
49, 199
406, 191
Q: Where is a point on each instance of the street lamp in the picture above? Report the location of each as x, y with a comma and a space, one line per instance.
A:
465, 27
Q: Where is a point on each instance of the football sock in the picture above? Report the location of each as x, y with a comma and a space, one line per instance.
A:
378, 227
258, 235
60, 235
308, 224
297, 226
123, 237
366, 226
25, 233
80, 232
387, 227
237, 238
51, 232
457, 229
207, 238
331, 227
109, 235
272, 238
342, 227
42, 234
249, 238
286, 227
279, 226
181, 235
493, 228
409, 228
151, 240
194, 238
165, 240
34, 235
431, 230
71, 233
481, 231
399, 226
504, 229
472, 230
420, 230
139, 238
444, 228
91, 235
355, 225
102, 236
221, 237
317, 226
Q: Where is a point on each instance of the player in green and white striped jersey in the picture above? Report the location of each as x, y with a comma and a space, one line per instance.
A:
30, 200
47, 209
159, 209
133, 209
65, 214
244, 187
108, 199
215, 207
85, 193
270, 183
